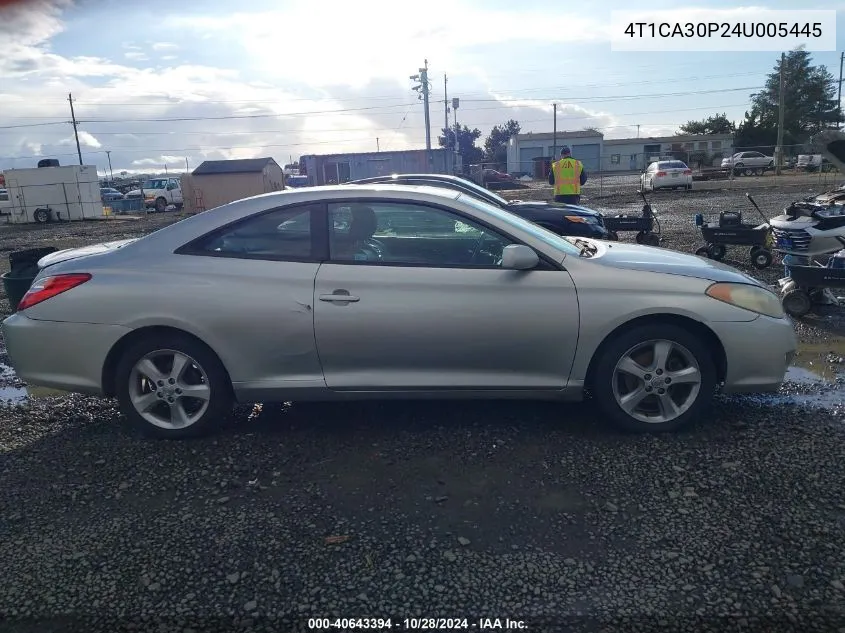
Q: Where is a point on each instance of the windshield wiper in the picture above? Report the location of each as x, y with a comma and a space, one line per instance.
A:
588, 249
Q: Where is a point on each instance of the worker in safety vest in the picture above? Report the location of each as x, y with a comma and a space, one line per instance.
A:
567, 175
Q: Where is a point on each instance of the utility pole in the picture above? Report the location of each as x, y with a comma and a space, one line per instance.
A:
111, 175
554, 133
75, 131
781, 100
638, 130
378, 149
446, 113
187, 169
455, 103
424, 89
839, 100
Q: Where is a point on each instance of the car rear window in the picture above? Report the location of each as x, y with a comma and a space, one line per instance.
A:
672, 164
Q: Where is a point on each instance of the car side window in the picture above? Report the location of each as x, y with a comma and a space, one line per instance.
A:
282, 234
403, 233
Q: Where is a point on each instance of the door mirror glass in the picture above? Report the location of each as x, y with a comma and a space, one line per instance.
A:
519, 257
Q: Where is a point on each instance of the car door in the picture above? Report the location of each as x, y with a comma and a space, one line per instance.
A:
250, 285
433, 310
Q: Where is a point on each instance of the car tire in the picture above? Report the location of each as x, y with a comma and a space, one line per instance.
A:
160, 205
704, 251
201, 371
41, 216
613, 236
636, 350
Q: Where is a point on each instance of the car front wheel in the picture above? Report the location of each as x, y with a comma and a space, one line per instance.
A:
172, 386
654, 378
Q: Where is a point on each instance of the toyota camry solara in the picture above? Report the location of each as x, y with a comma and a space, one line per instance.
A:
384, 291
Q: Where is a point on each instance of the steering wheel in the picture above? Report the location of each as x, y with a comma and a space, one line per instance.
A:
476, 250
479, 250
377, 246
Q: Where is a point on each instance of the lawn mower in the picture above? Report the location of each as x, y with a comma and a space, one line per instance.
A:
728, 229
645, 224
809, 283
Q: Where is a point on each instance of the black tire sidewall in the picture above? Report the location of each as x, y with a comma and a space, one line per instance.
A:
602, 387
220, 404
758, 265
792, 295
163, 207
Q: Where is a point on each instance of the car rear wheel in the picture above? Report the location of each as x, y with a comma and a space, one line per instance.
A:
161, 205
172, 386
654, 378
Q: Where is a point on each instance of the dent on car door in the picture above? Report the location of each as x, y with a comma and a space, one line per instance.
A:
424, 304
251, 284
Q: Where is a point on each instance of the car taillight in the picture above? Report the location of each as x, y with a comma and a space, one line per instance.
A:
661, 173
49, 287
687, 172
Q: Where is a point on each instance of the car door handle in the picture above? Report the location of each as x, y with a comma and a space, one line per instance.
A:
340, 298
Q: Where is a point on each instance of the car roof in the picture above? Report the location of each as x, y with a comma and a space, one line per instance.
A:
201, 223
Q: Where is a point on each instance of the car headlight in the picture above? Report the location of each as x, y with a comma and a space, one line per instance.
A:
748, 297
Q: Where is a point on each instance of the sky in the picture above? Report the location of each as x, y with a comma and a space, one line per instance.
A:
168, 84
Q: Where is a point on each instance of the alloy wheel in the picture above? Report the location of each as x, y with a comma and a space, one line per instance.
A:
656, 381
169, 389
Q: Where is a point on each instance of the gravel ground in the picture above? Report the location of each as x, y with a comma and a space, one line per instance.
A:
531, 511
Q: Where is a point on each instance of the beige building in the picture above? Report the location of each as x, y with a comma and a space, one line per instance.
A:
218, 182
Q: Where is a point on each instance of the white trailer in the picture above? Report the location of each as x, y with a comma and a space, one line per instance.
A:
47, 194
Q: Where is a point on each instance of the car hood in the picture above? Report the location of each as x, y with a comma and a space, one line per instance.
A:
75, 253
660, 260
571, 209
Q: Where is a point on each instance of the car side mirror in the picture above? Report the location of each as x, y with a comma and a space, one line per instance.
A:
519, 257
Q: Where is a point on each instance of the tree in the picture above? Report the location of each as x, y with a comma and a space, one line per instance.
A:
715, 124
496, 143
809, 104
470, 154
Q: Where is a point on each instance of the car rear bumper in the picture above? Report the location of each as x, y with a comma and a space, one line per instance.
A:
66, 356
758, 353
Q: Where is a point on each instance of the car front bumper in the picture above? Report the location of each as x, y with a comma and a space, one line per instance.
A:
758, 353
66, 356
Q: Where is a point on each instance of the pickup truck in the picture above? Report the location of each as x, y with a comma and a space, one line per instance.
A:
159, 193
748, 163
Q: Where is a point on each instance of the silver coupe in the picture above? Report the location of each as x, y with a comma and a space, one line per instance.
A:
386, 291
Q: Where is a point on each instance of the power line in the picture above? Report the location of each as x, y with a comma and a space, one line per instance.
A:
504, 101
625, 97
211, 132
206, 148
169, 101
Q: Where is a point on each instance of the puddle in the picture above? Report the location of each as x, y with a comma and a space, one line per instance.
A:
15, 395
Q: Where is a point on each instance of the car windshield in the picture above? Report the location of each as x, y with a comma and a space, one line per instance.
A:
552, 239
159, 183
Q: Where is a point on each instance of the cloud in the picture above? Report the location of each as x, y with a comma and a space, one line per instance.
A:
275, 96
385, 43
85, 140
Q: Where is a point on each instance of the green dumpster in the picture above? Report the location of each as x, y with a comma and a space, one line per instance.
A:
24, 269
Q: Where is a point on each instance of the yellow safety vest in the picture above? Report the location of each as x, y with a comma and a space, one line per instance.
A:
567, 173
